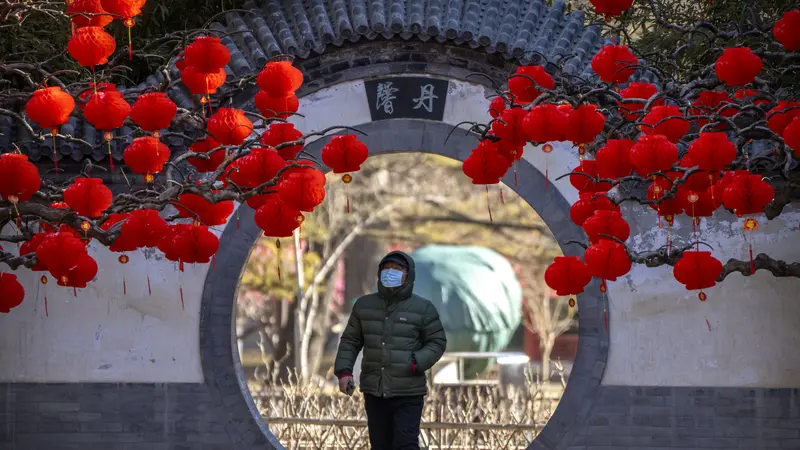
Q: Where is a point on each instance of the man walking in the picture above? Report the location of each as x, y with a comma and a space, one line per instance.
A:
402, 338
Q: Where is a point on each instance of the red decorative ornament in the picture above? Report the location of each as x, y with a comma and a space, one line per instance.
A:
280, 133
497, 106
210, 164
88, 197
613, 160
207, 54
195, 207
276, 218
697, 270
782, 115
607, 260
88, 13
585, 124
787, 30
230, 126
545, 123
637, 91
611, 8
124, 242
259, 167
86, 94
657, 122
615, 63
19, 178
485, 165
195, 245
510, 131
107, 110
588, 203
667, 208
144, 228
568, 275
80, 275
153, 111
167, 243
712, 151
745, 94
11, 292
50, 108
700, 180
606, 222
302, 188
125, 9
344, 154
91, 46
791, 135
525, 90
747, 194
709, 103
60, 252
697, 203
654, 153
279, 78
146, 155
584, 183
201, 83
738, 66
281, 107
30, 246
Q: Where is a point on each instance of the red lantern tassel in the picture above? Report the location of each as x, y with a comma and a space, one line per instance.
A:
278, 253
708, 324
515, 173
46, 312
502, 200
180, 288
347, 204
74, 292
129, 23
488, 204
53, 133
605, 318
149, 289
124, 286
752, 262
214, 263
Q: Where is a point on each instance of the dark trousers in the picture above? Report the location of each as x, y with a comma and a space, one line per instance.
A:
394, 422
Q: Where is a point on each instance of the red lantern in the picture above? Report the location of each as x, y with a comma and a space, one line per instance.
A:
146, 155
525, 90
485, 165
787, 30
201, 83
588, 203
652, 154
276, 218
697, 203
281, 107
545, 123
230, 126
60, 252
614, 159
344, 154
302, 188
615, 63
585, 123
19, 178
50, 108
497, 106
279, 78
88, 197
607, 260
639, 91
611, 8
747, 194
782, 115
88, 13
674, 128
153, 111
745, 94
207, 54
195, 245
86, 94
606, 222
708, 103
280, 133
167, 243
791, 135
568, 275
700, 180
194, 206
124, 8
28, 247
738, 66
510, 130
712, 151
667, 208
80, 275
11, 292
107, 110
91, 46
210, 164
123, 242
585, 184
697, 270
259, 167
144, 228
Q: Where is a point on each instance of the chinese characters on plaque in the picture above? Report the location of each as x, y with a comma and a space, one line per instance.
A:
406, 97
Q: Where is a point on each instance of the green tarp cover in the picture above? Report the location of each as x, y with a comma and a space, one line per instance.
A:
477, 294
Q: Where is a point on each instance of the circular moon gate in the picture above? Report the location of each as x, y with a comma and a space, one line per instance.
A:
221, 364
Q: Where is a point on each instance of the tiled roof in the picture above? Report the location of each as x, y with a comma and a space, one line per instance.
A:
305, 28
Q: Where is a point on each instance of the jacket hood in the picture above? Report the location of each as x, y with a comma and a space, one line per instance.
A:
405, 290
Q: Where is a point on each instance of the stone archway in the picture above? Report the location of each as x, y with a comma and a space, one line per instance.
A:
219, 355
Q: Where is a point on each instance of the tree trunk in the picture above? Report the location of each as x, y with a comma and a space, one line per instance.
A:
546, 345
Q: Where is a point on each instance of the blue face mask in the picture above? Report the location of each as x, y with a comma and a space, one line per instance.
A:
391, 278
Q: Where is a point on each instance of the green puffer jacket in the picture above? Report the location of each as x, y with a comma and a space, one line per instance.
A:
394, 327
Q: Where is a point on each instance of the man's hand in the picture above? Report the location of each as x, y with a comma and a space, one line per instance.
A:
347, 385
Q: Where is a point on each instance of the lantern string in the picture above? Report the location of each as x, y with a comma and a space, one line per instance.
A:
44, 282
347, 198
124, 285
74, 292
54, 133
278, 254
149, 288
214, 263
488, 203
130, 41
180, 289
110, 158
546, 172
708, 324
502, 199
515, 174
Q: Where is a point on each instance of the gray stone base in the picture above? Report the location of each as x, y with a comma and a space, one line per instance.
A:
184, 417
